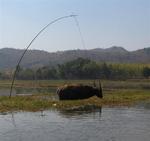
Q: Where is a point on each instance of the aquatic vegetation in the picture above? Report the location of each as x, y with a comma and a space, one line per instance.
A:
115, 93
126, 97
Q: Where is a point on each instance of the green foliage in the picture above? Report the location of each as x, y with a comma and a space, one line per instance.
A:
87, 69
91, 70
78, 69
43, 73
83, 69
25, 74
146, 72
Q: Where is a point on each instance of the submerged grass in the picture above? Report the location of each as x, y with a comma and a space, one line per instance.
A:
123, 97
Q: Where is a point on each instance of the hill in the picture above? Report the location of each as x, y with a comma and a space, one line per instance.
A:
37, 58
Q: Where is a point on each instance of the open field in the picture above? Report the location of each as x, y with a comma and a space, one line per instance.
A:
116, 93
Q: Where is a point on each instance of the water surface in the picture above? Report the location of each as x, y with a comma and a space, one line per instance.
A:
27, 91
91, 124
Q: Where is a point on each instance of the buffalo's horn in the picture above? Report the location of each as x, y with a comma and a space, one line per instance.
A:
100, 90
94, 84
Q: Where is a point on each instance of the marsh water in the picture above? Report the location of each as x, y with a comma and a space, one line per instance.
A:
82, 124
89, 124
26, 91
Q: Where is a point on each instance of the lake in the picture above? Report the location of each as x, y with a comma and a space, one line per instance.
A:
89, 124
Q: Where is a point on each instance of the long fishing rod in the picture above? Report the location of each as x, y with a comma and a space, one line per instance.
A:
17, 67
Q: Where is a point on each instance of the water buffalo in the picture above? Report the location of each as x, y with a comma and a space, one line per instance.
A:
73, 92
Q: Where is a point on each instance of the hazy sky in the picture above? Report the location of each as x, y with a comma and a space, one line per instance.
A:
103, 23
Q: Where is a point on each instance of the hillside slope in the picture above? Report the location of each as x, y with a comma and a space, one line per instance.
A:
37, 58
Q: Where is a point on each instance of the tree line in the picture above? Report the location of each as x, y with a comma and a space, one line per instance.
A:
83, 69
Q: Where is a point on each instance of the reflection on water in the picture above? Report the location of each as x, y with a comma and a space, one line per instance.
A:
77, 112
89, 124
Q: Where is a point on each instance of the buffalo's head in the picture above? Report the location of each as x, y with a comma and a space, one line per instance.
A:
98, 91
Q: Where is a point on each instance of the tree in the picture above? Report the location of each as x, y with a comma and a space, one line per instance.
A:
78, 69
91, 70
146, 72
52, 73
0, 75
39, 74
25, 74
106, 72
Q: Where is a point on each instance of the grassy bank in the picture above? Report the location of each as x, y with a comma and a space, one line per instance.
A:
123, 97
107, 84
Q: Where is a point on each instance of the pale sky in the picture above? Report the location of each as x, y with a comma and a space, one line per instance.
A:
103, 23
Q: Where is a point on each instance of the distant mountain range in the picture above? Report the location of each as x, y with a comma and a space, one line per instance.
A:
38, 58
